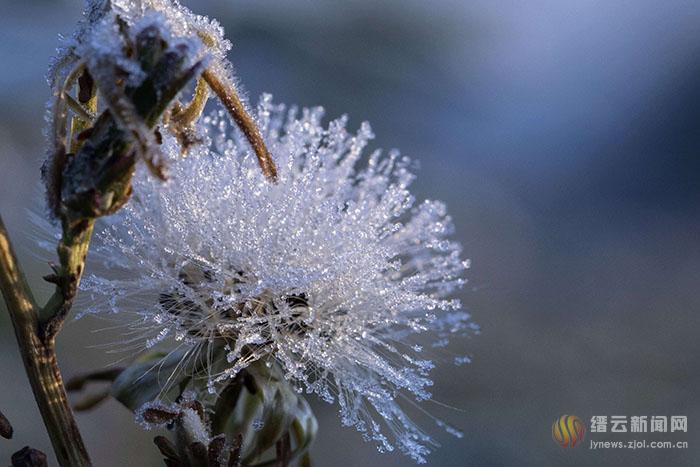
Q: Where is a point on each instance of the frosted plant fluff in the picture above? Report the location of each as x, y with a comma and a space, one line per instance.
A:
331, 272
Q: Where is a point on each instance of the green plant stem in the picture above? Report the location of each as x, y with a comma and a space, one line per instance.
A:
72, 250
39, 356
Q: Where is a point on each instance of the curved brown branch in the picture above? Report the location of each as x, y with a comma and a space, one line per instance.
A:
39, 357
230, 99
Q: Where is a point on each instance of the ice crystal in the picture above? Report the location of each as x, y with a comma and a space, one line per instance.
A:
258, 424
331, 271
462, 359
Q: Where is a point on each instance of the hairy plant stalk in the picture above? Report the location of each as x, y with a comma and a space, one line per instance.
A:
233, 104
39, 356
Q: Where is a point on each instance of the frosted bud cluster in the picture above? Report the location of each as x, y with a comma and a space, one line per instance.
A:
101, 50
97, 36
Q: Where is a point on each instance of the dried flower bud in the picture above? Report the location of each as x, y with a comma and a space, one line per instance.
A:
29, 457
266, 410
5, 427
136, 66
96, 181
249, 416
194, 445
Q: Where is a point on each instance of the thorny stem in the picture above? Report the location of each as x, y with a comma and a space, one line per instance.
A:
230, 99
39, 356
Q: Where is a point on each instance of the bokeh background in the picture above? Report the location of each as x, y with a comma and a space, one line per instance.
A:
563, 136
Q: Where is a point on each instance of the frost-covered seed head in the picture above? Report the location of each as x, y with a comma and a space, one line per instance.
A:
332, 272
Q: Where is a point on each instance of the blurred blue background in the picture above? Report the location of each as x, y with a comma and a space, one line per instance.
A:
563, 136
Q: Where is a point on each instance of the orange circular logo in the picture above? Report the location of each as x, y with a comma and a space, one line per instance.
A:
568, 430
